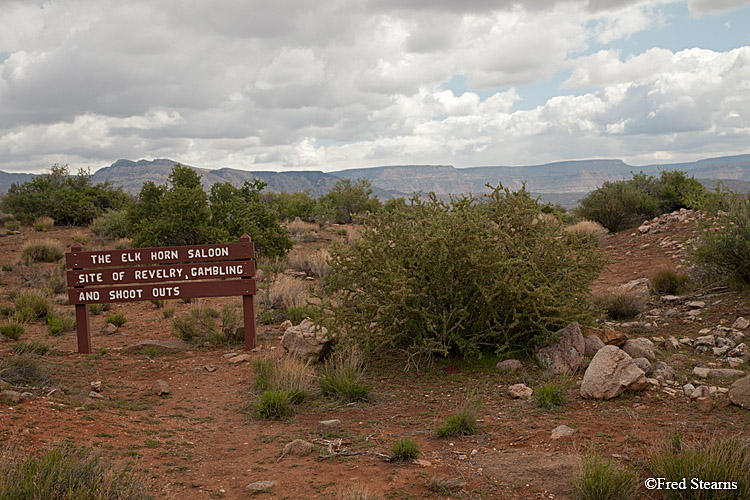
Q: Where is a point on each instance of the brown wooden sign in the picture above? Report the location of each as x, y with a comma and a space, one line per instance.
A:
220, 270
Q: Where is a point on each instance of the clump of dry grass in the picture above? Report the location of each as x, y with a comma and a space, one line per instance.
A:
447, 486
299, 228
621, 304
357, 492
45, 250
315, 264
589, 227
43, 224
283, 293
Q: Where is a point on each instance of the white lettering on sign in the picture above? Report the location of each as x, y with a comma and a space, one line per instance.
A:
167, 291
100, 259
204, 253
118, 276
131, 257
86, 278
165, 254
125, 294
82, 296
158, 274
231, 270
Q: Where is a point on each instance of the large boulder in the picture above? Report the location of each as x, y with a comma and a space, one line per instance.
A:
639, 348
612, 372
593, 344
565, 355
739, 393
608, 335
307, 341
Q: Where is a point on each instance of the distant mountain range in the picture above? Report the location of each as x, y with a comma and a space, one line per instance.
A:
560, 182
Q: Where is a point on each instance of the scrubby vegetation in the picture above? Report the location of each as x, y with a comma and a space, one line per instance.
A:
460, 277
199, 326
712, 460
669, 281
342, 376
621, 304
602, 479
404, 450
623, 204
462, 423
724, 246
67, 200
42, 251
66, 472
280, 384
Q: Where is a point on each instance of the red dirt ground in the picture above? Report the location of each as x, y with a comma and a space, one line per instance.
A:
197, 444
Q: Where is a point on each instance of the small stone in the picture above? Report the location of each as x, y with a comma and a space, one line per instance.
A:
96, 386
160, 387
672, 344
109, 329
299, 447
739, 351
27, 396
644, 229
260, 486
671, 298
653, 382
704, 403
720, 351
562, 431
694, 313
701, 372
688, 389
696, 304
240, 359
210, 368
706, 340
286, 324
740, 323
421, 462
520, 391
95, 395
230, 355
734, 362
701, 391
10, 397
643, 364
333, 426
669, 391
509, 365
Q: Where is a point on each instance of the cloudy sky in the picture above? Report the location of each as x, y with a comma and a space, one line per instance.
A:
296, 84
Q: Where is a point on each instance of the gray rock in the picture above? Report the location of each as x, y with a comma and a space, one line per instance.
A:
701, 391
109, 329
209, 368
672, 344
96, 386
241, 358
566, 354
258, 486
688, 389
725, 372
298, 447
333, 426
639, 348
740, 323
720, 351
705, 340
95, 395
671, 298
704, 403
592, 344
520, 391
696, 304
725, 342
701, 372
509, 365
307, 341
611, 373
739, 351
739, 393
27, 396
643, 364
664, 370
160, 387
561, 431
10, 397
640, 286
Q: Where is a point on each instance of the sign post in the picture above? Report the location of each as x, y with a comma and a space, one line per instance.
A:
139, 274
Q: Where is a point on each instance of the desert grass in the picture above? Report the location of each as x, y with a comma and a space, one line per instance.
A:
342, 376
45, 250
313, 264
299, 228
621, 304
284, 292
588, 227
602, 479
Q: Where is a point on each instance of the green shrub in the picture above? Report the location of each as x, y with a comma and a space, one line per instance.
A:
68, 200
668, 281
622, 204
33, 304
66, 472
21, 369
181, 213
168, 313
711, 460
291, 205
58, 326
158, 303
117, 319
42, 251
12, 330
342, 376
345, 200
43, 224
601, 479
12, 225
296, 314
112, 224
463, 423
554, 393
619, 304
404, 450
275, 404
34, 347
6, 267
96, 309
724, 247
460, 277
